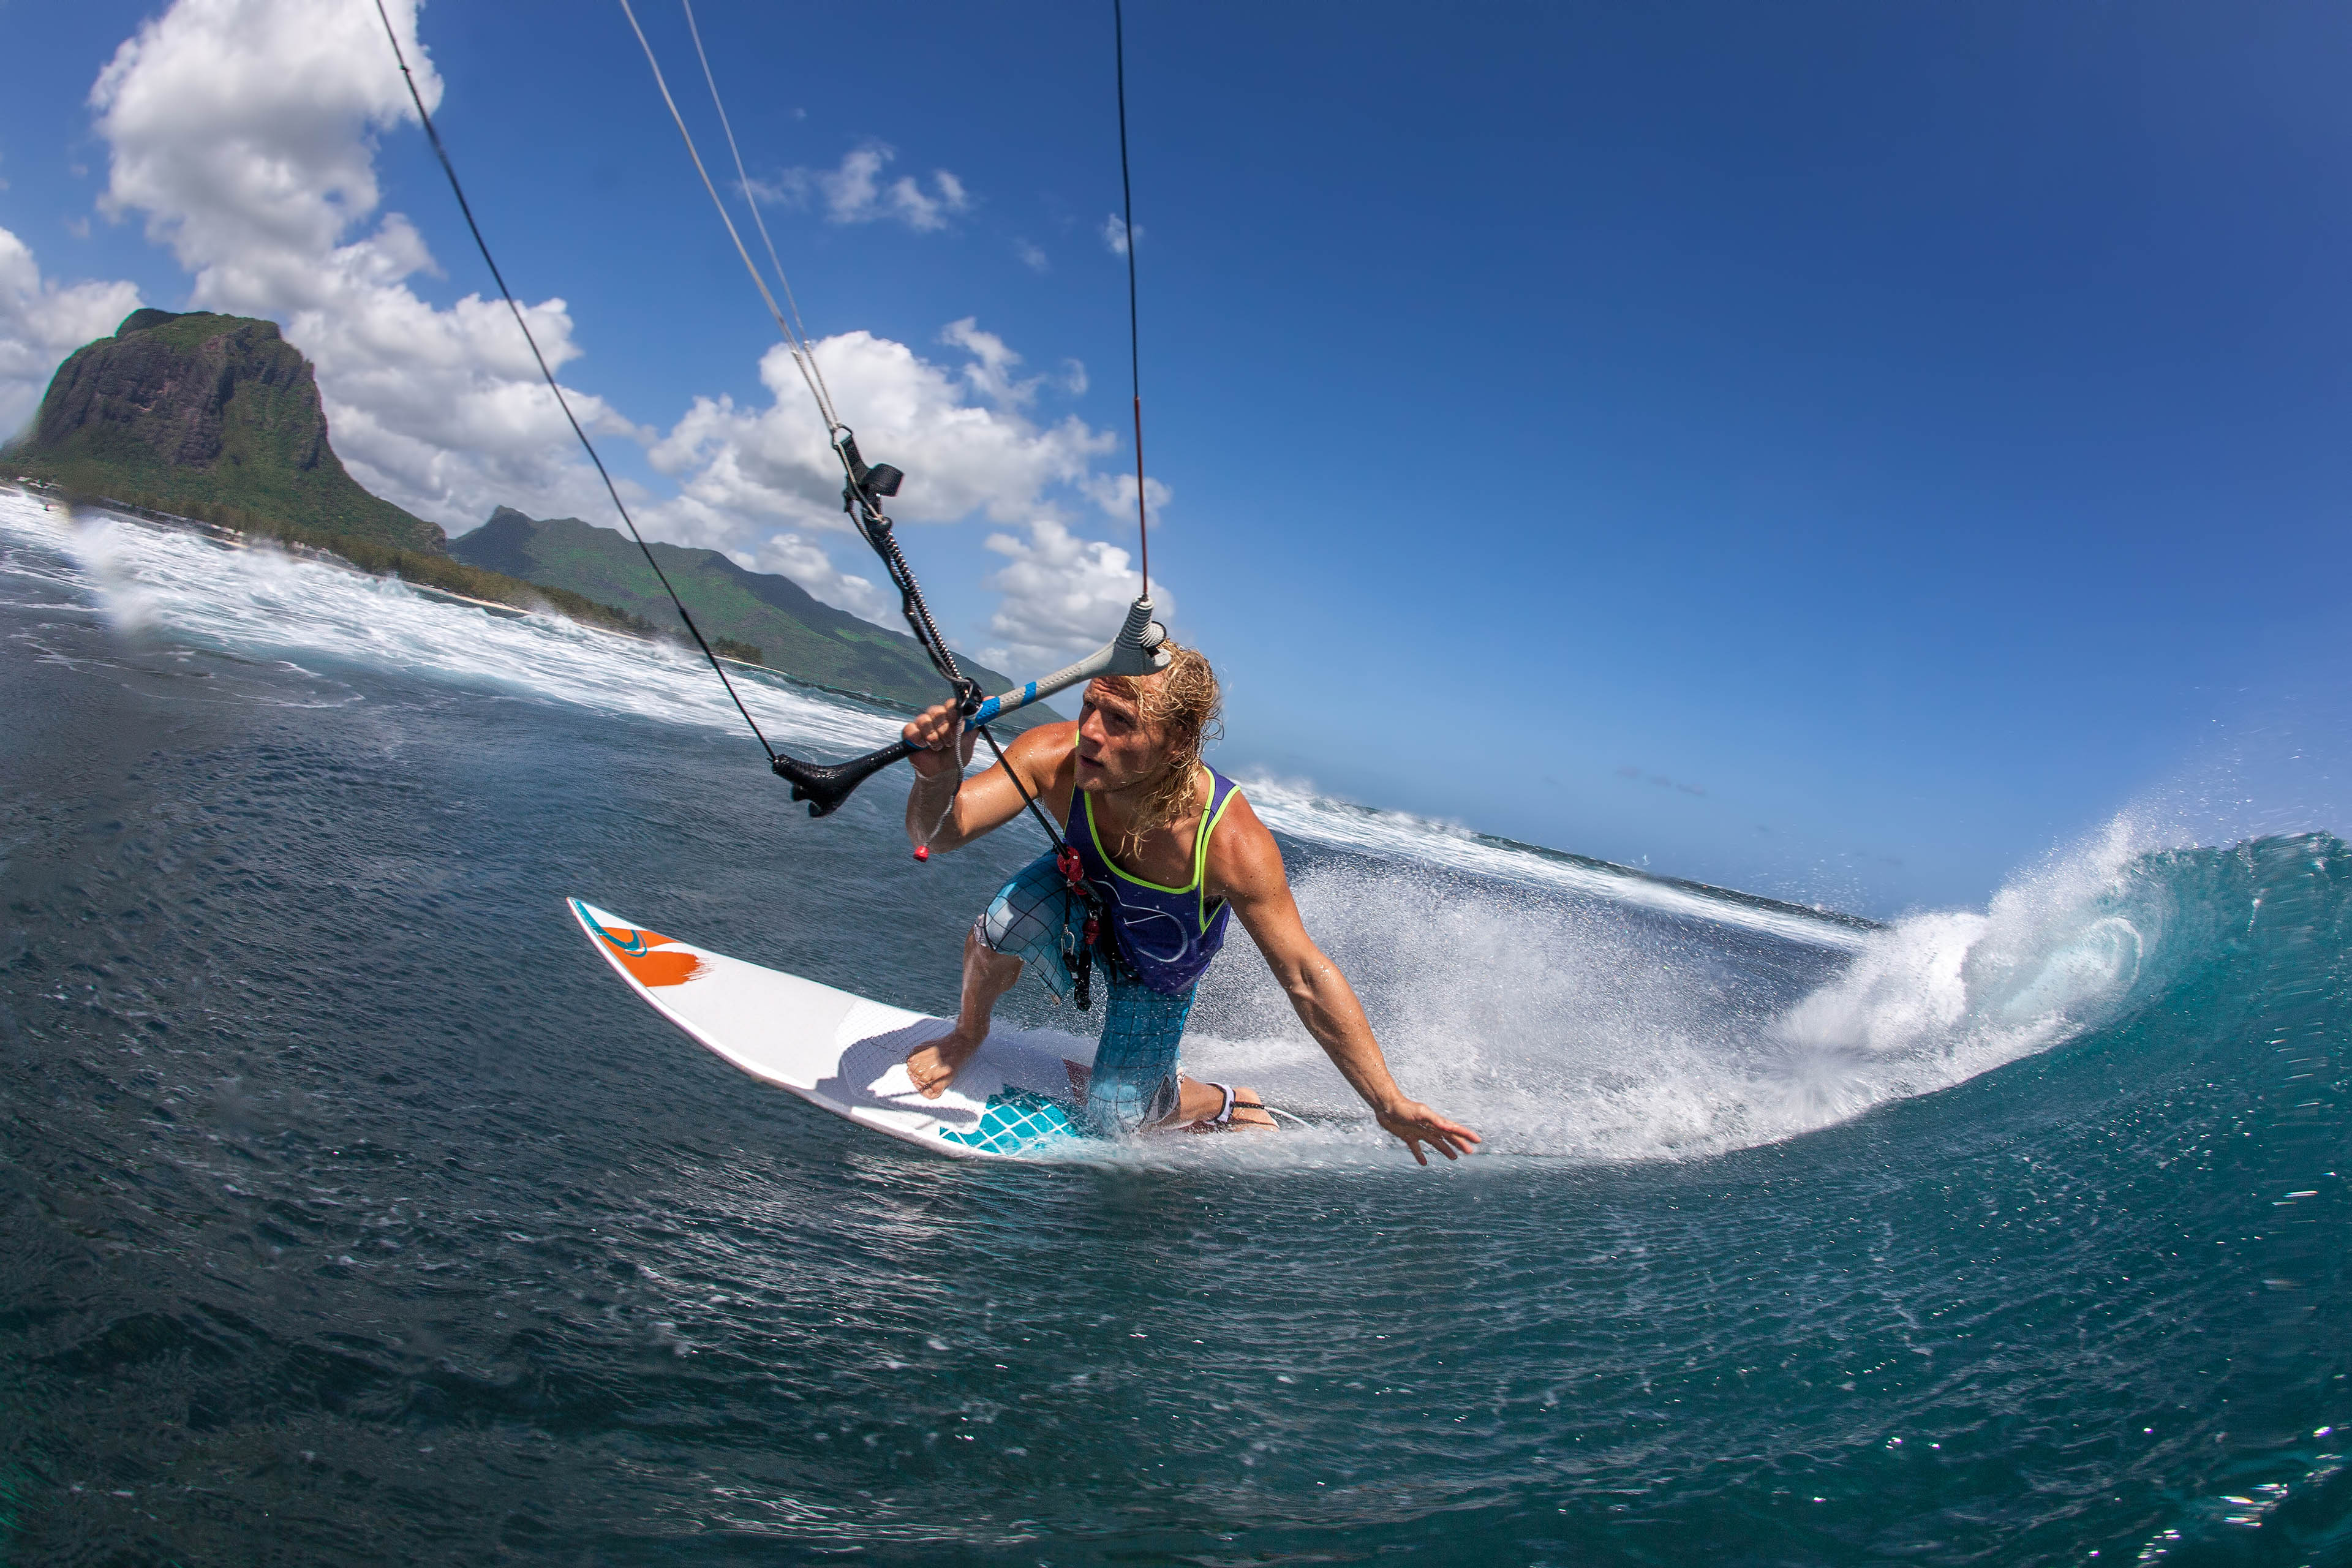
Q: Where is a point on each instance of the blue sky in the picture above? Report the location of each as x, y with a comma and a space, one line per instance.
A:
1910, 433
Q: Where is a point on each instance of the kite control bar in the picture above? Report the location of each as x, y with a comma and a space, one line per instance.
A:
1135, 651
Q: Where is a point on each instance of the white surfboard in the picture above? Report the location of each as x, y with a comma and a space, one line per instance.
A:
1011, 1101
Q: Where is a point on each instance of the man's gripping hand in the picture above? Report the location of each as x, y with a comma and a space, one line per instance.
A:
1416, 1125
946, 745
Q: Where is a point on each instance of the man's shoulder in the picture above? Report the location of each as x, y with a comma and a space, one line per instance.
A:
1243, 855
1045, 761
1045, 740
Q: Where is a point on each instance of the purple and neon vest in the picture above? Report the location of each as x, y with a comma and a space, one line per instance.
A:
1166, 934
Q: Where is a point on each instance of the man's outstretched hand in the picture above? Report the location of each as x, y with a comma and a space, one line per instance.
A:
1416, 1125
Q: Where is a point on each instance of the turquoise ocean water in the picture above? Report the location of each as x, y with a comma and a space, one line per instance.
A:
351, 1212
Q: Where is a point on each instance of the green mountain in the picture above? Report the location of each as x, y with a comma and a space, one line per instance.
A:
218, 417
793, 630
183, 412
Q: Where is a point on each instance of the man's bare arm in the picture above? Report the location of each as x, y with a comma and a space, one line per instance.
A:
944, 817
1245, 867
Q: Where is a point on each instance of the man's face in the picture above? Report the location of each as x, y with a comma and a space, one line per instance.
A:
1116, 749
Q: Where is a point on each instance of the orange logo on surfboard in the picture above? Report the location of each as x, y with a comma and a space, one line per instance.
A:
651, 958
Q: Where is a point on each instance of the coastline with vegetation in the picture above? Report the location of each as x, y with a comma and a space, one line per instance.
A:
210, 422
235, 525
493, 592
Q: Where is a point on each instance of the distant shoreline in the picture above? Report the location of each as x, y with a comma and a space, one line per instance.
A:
322, 555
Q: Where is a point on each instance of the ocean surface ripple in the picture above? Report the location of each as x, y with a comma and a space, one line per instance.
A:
352, 1214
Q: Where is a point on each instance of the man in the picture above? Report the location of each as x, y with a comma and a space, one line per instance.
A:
1169, 849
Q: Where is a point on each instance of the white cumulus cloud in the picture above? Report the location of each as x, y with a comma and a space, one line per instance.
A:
1064, 596
855, 192
967, 439
990, 373
244, 131
1115, 493
806, 563
243, 134
42, 321
745, 468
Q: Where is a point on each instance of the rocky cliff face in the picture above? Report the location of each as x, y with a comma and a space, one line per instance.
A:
175, 411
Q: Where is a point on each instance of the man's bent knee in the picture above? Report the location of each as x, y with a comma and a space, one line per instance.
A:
978, 949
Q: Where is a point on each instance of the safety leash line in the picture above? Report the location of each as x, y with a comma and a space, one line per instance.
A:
1074, 886
562, 401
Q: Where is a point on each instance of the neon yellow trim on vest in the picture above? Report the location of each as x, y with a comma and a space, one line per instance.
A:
1200, 881
1201, 854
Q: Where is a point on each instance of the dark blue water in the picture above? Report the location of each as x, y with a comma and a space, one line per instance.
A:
351, 1212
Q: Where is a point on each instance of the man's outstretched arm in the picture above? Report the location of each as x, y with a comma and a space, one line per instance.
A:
942, 816
1246, 864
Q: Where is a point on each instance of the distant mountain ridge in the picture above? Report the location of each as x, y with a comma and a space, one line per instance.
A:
195, 410
795, 631
217, 417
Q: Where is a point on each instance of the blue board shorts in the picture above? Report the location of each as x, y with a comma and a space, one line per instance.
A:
1036, 919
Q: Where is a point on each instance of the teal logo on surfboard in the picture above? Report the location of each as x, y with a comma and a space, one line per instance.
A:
635, 947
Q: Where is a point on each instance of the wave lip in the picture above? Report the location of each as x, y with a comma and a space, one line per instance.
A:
1942, 998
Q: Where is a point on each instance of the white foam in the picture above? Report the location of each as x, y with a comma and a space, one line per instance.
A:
1557, 1029
159, 581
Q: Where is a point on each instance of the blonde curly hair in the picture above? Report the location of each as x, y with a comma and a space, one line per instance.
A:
1184, 703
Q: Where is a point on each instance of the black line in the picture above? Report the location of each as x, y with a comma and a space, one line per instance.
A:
1134, 332
562, 401
1026, 798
